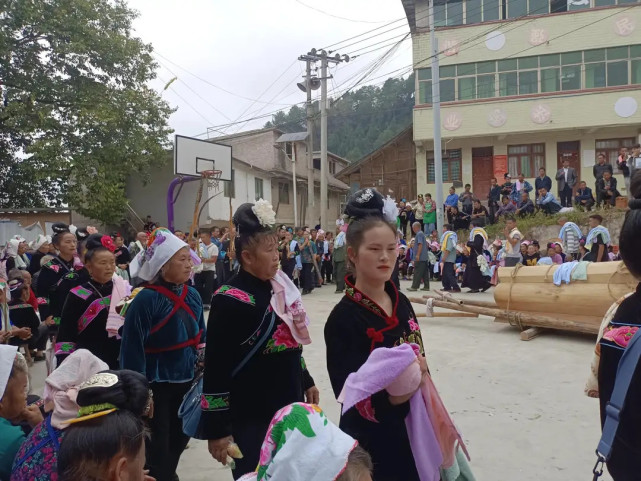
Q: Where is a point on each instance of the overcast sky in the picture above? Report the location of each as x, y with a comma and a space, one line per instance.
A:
245, 46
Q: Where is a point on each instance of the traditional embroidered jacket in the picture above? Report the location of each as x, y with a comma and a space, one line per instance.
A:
83, 324
626, 449
163, 331
37, 459
274, 376
56, 278
355, 327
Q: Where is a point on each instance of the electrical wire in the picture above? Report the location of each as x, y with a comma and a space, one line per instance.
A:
195, 93
336, 16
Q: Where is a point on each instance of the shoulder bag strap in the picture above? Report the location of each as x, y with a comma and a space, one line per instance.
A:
257, 346
625, 371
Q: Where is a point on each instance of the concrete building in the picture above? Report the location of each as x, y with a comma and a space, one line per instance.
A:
391, 168
526, 84
261, 168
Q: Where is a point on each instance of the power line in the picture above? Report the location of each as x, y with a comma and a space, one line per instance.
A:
337, 16
207, 81
195, 93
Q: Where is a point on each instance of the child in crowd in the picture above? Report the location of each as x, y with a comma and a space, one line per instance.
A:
532, 256
552, 254
558, 248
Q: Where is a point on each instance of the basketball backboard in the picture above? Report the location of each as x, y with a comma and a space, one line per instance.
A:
193, 156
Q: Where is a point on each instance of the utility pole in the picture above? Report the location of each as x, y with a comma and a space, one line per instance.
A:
323, 162
313, 56
436, 112
294, 145
310, 142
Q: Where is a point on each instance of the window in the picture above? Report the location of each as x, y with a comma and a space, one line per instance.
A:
571, 77
568, 71
283, 192
229, 186
448, 12
316, 163
289, 149
451, 166
258, 188
507, 84
332, 167
528, 82
550, 80
611, 147
526, 159
617, 73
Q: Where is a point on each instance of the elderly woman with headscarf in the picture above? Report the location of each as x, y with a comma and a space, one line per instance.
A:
14, 384
83, 322
162, 337
15, 254
41, 248
37, 459
257, 328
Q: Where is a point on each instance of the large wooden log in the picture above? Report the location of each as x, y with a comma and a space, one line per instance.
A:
598, 273
521, 319
579, 299
587, 320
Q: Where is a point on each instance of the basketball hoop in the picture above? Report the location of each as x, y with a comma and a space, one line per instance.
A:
212, 177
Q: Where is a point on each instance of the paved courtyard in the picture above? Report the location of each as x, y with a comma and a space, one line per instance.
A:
520, 405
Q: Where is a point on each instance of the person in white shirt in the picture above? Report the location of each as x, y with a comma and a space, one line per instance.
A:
204, 281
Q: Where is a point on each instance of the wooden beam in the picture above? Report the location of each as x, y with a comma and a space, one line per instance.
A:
448, 314
530, 333
518, 318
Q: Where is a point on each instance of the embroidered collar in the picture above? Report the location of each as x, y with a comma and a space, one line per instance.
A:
358, 297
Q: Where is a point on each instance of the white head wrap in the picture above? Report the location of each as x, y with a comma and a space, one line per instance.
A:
161, 247
7, 357
61, 385
40, 241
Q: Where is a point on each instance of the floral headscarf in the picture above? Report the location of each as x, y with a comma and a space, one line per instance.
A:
161, 246
301, 443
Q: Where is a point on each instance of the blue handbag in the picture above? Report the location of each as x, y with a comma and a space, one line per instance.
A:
190, 411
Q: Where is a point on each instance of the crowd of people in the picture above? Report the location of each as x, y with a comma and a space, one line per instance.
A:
128, 352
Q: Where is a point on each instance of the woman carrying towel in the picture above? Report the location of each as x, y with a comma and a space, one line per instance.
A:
163, 338
373, 314
257, 328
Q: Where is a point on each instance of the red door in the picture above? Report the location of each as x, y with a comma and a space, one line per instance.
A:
569, 151
482, 171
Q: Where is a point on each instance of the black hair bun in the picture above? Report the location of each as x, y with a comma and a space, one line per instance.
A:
59, 227
128, 390
94, 241
246, 221
365, 203
82, 233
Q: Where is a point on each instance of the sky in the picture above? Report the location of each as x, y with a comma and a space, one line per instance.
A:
250, 49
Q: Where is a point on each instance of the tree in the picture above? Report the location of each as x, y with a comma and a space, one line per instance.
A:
77, 116
359, 121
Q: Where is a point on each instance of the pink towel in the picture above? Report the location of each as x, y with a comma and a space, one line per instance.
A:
431, 431
120, 290
288, 305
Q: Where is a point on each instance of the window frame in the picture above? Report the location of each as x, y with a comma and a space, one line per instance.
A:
574, 73
611, 153
283, 193
258, 182
450, 158
534, 163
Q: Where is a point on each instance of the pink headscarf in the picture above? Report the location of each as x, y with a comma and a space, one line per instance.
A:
61, 385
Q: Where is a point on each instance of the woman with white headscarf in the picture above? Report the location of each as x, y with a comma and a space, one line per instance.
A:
162, 337
15, 254
37, 458
14, 384
41, 247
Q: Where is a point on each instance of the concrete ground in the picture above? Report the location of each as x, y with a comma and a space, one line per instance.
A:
520, 405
